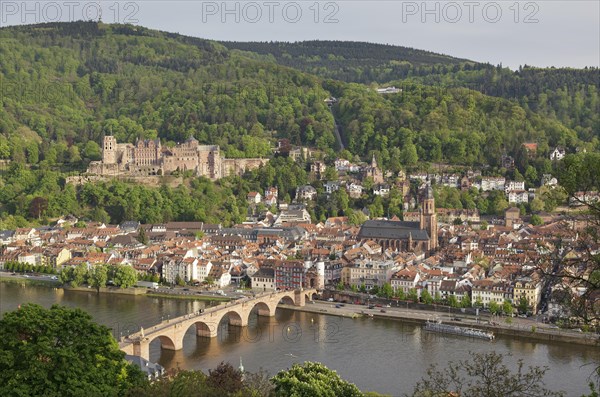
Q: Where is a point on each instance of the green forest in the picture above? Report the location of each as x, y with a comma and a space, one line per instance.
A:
66, 85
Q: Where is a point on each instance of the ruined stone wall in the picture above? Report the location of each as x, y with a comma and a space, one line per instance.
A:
239, 166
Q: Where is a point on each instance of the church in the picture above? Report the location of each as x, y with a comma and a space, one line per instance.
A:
405, 236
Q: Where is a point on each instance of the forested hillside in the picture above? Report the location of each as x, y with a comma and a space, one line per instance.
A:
65, 84
351, 61
458, 126
569, 95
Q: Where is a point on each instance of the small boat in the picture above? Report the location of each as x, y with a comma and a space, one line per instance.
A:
457, 330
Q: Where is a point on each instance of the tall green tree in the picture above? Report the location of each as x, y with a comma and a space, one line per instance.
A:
125, 276
60, 352
312, 379
98, 276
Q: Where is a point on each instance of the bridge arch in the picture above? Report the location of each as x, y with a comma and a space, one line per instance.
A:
203, 328
166, 342
311, 296
235, 318
287, 300
263, 309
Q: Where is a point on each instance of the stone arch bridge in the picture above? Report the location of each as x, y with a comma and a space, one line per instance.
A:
171, 332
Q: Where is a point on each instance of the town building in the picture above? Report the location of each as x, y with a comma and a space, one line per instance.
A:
529, 288
263, 279
402, 235
289, 275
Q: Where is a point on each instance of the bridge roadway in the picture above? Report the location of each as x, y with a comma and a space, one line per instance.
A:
172, 331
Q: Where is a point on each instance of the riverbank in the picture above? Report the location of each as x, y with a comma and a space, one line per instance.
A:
29, 281
205, 298
535, 331
108, 290
176, 294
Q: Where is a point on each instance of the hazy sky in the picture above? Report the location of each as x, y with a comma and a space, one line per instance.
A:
541, 33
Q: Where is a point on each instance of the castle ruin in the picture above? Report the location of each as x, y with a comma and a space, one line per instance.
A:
150, 158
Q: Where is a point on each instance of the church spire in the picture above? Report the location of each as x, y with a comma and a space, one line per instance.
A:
374, 162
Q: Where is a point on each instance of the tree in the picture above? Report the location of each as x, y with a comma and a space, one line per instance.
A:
225, 378
485, 375
312, 379
507, 308
98, 276
426, 297
536, 205
412, 295
536, 220
452, 301
465, 301
38, 206
523, 304
60, 352
494, 308
125, 276
408, 155
92, 151
66, 275
79, 275
387, 291
142, 237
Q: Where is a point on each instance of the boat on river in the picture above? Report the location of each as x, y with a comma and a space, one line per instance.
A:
458, 330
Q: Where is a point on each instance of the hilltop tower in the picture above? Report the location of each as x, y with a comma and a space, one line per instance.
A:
109, 150
428, 219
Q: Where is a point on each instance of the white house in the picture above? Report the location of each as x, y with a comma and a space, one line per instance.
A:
254, 197
514, 185
381, 189
263, 279
518, 196
331, 186
354, 190
404, 280
185, 268
558, 153
492, 183
203, 270
305, 192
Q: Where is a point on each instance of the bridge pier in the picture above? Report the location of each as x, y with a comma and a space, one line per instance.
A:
299, 298
142, 349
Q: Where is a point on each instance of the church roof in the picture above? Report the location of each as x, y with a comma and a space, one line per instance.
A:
374, 229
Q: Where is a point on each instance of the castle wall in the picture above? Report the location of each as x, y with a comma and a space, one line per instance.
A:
239, 166
148, 158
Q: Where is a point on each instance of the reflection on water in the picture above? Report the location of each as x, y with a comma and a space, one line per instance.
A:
381, 355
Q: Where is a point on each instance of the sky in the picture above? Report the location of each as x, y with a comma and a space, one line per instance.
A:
540, 33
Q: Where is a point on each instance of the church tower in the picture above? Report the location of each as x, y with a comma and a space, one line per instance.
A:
109, 150
429, 217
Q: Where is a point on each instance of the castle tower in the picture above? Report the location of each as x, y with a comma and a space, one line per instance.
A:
429, 217
109, 150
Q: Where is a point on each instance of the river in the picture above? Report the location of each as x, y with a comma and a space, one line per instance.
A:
386, 356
